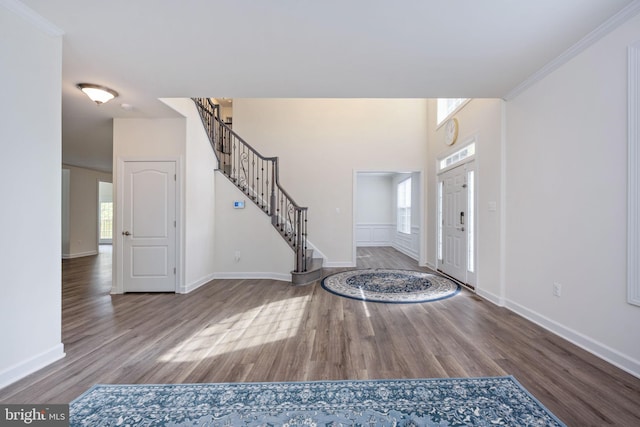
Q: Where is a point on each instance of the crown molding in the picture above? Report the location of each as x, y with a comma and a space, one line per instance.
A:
628, 12
32, 17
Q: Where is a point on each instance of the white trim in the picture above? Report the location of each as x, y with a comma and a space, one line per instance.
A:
339, 264
598, 349
196, 284
252, 275
628, 12
408, 244
79, 254
373, 232
495, 299
473, 139
469, 164
408, 252
633, 178
32, 17
117, 285
29, 366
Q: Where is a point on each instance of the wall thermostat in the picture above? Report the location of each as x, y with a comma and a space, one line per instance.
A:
238, 204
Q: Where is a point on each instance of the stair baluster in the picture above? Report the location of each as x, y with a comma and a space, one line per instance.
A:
247, 169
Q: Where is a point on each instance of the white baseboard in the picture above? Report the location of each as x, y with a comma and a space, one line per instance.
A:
339, 264
598, 349
253, 275
79, 254
408, 252
196, 284
499, 301
22, 369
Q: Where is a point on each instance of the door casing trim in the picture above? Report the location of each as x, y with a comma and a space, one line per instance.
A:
117, 286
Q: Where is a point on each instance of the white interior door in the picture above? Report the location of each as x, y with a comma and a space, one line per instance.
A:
454, 223
149, 227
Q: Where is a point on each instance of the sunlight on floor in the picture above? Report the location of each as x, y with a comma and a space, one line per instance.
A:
364, 303
262, 325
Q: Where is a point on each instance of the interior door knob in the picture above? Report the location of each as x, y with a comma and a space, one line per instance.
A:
126, 233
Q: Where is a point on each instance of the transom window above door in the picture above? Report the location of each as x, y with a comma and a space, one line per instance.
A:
458, 156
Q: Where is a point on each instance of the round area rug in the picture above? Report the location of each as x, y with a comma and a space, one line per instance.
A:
391, 286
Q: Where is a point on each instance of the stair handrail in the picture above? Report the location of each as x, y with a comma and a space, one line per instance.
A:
234, 155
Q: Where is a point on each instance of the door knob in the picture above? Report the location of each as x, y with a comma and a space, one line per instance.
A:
126, 233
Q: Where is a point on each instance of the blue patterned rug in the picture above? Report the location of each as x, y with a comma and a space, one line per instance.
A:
391, 286
496, 401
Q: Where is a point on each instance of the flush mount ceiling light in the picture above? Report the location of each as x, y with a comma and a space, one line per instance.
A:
98, 94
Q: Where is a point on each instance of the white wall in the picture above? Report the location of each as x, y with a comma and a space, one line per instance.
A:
148, 139
30, 248
566, 201
199, 190
480, 120
83, 211
263, 253
321, 142
375, 218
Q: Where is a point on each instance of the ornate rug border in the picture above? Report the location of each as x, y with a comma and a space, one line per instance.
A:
456, 292
302, 383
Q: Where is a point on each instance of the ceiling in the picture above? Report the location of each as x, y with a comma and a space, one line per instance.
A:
150, 49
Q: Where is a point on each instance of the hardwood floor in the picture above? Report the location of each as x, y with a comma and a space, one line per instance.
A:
265, 330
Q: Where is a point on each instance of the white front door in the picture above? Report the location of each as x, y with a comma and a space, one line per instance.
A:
149, 227
454, 223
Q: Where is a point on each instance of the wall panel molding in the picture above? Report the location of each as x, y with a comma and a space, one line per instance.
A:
374, 234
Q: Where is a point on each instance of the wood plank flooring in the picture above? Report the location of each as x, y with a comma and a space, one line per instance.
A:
265, 330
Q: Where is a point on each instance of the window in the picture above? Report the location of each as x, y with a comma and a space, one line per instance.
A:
458, 156
446, 107
404, 206
106, 220
105, 212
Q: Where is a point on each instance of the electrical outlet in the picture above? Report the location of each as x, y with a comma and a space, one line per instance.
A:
557, 289
237, 256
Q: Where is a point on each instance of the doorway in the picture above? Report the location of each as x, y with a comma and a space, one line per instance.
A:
147, 234
105, 213
456, 223
388, 212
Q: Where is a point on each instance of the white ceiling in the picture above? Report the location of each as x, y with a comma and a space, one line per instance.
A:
150, 49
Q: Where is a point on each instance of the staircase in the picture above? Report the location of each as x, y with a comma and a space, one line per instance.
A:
257, 177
